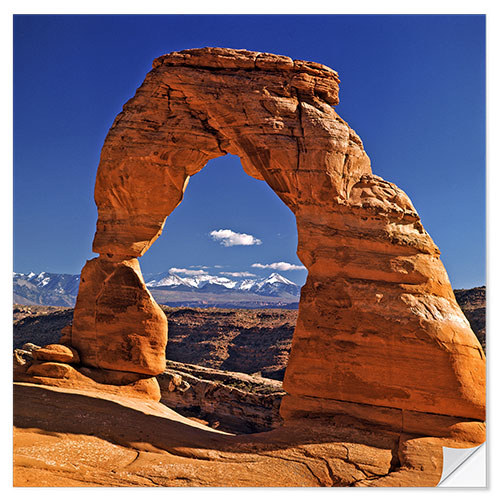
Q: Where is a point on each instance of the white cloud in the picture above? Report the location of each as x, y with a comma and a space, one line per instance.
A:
229, 238
279, 266
199, 267
242, 274
188, 272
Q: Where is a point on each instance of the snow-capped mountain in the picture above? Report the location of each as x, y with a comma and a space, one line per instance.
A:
275, 285
174, 280
48, 289
272, 286
203, 289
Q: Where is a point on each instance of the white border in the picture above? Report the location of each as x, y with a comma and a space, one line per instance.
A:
255, 7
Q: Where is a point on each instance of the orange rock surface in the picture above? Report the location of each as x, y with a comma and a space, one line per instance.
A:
118, 325
94, 380
379, 334
56, 352
73, 437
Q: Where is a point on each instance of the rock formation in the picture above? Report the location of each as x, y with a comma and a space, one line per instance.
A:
229, 401
378, 323
379, 336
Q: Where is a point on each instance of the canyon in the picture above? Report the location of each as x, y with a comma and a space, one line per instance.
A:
224, 367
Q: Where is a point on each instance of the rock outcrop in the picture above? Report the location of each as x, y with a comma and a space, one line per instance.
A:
229, 401
379, 335
241, 340
117, 325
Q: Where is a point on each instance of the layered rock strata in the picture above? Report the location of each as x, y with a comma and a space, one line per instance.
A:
117, 325
378, 322
228, 401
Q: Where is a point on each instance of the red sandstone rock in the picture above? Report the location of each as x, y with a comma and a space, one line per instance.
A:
378, 323
84, 438
95, 380
117, 324
57, 352
51, 369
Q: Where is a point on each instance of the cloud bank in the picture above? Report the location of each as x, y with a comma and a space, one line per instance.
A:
229, 238
279, 266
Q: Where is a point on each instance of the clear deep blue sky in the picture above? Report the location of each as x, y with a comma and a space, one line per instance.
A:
413, 87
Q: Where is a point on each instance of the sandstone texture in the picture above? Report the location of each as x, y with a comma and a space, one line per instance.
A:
239, 340
57, 352
384, 368
93, 380
378, 322
117, 325
229, 401
74, 437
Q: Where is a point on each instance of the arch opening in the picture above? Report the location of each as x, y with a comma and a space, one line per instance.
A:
222, 196
253, 268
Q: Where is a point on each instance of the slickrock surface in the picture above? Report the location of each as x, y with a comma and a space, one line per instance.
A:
97, 381
79, 438
378, 323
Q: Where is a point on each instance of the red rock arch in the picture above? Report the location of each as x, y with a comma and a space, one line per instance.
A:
378, 322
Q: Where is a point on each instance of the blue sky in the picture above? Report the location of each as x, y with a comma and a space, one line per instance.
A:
413, 87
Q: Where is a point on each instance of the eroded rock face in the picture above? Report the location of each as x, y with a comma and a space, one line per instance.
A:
378, 322
117, 325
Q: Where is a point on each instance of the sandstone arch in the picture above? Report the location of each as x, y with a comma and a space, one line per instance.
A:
378, 323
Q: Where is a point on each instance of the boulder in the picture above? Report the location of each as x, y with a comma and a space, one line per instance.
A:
57, 352
51, 370
95, 380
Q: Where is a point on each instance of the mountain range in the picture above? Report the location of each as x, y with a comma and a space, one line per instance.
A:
47, 289
203, 290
